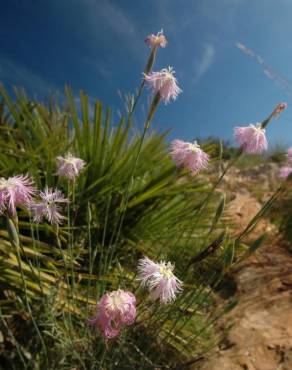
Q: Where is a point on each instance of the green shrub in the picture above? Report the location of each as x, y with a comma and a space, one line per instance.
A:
129, 201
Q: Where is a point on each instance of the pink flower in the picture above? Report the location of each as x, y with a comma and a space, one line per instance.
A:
285, 172
49, 206
114, 310
156, 40
279, 109
252, 138
164, 83
189, 155
15, 191
69, 166
159, 279
289, 154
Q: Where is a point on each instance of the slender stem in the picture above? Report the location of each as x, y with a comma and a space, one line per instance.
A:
102, 357
102, 266
14, 240
14, 341
227, 168
208, 197
152, 110
261, 212
89, 250
70, 240
36, 259
63, 257
215, 282
147, 69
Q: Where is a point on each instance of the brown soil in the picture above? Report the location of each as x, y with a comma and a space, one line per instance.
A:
261, 337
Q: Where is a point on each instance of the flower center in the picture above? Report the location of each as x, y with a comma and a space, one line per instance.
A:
165, 271
194, 147
168, 74
69, 161
158, 38
5, 184
258, 128
115, 302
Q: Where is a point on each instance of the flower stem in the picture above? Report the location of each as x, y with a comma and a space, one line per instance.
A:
14, 240
152, 110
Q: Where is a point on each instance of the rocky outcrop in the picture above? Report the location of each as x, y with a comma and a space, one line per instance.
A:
261, 335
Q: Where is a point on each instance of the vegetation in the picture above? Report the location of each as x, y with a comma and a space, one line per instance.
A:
129, 201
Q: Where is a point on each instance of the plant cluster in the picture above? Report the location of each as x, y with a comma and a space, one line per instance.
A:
112, 244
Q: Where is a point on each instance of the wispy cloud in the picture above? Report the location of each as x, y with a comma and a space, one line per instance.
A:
280, 80
114, 19
204, 63
105, 72
232, 2
13, 73
99, 67
209, 15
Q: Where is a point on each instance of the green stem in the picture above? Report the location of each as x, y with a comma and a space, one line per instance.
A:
215, 282
36, 259
14, 240
102, 265
204, 203
63, 257
152, 110
14, 341
147, 69
70, 240
90, 250
260, 213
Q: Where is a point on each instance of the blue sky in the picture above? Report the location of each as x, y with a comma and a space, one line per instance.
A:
98, 46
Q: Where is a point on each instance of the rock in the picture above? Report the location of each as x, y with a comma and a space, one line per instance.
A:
261, 337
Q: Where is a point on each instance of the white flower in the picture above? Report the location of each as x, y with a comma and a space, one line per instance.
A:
159, 279
164, 83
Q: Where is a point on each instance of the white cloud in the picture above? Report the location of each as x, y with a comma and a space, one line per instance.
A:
204, 63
